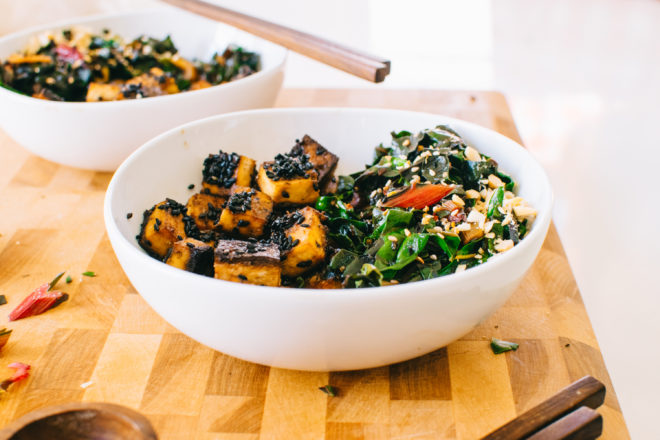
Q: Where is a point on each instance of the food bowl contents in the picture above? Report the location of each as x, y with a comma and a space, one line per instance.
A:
429, 205
77, 65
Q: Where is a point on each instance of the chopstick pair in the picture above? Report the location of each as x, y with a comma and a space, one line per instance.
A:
568, 414
341, 57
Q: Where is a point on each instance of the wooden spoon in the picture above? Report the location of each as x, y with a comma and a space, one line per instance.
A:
80, 421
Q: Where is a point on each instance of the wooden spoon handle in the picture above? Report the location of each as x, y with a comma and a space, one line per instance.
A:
587, 392
341, 57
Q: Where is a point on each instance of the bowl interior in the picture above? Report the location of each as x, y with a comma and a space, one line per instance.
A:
194, 36
167, 165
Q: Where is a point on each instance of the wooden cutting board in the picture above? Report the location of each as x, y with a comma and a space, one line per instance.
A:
106, 344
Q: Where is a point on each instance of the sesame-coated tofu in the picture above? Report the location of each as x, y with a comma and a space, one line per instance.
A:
247, 262
246, 213
222, 171
289, 180
191, 255
205, 209
302, 240
162, 225
323, 161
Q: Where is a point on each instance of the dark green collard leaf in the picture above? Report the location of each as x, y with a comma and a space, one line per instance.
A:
368, 276
498, 346
394, 219
449, 244
470, 248
386, 255
408, 252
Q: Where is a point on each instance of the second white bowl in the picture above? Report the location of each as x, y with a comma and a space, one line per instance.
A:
100, 135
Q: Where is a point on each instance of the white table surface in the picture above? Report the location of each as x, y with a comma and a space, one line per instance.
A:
583, 81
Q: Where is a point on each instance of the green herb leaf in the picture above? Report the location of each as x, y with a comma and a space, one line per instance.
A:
496, 202
68, 279
395, 218
3, 300
329, 390
498, 346
89, 273
55, 280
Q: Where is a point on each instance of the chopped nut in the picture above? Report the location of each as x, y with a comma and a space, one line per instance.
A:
457, 200
494, 181
524, 211
463, 227
472, 154
461, 268
503, 245
472, 194
392, 238
475, 217
407, 232
406, 142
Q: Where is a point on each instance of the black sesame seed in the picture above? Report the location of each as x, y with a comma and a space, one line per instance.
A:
243, 277
129, 215
285, 194
305, 263
191, 186
156, 227
190, 245
243, 223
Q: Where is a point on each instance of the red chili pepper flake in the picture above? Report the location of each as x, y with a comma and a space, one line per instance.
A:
37, 302
4, 337
22, 372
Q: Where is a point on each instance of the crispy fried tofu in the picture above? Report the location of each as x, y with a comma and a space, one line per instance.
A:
302, 240
289, 181
246, 213
247, 262
205, 209
316, 282
103, 92
187, 68
323, 161
191, 255
224, 170
162, 225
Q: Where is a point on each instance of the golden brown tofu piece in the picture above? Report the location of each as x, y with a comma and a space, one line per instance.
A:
288, 180
247, 262
246, 213
162, 225
224, 170
200, 84
472, 234
323, 161
151, 83
104, 92
191, 255
316, 282
205, 209
17, 58
186, 67
302, 240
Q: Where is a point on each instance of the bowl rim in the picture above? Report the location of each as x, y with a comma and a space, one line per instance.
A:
542, 221
167, 10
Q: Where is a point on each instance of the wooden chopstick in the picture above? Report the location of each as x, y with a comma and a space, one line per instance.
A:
582, 424
336, 55
586, 392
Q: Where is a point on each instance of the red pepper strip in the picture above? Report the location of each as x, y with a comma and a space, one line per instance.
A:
22, 371
67, 53
419, 196
36, 303
4, 337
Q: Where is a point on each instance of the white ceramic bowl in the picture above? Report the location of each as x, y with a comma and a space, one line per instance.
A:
303, 328
100, 135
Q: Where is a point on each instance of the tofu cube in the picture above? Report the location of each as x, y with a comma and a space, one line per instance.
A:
323, 161
301, 237
205, 209
103, 92
247, 212
474, 233
224, 170
162, 225
191, 255
247, 262
289, 180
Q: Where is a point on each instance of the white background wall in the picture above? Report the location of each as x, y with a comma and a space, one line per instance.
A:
583, 80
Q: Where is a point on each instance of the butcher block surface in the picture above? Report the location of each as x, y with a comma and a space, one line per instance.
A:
106, 344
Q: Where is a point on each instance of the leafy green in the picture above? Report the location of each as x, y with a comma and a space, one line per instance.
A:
55, 280
495, 202
394, 218
329, 390
498, 346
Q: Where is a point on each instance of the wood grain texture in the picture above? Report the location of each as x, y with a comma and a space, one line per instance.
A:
52, 220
